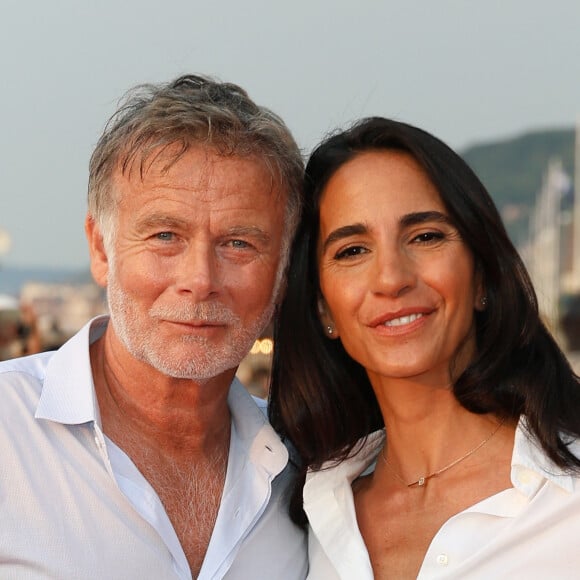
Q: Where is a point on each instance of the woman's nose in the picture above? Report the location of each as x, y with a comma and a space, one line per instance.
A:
394, 272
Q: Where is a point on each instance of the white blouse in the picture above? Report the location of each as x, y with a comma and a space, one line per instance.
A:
531, 530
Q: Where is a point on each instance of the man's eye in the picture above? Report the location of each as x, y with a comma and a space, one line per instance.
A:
165, 236
239, 244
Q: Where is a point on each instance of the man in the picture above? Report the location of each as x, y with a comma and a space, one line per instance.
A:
132, 451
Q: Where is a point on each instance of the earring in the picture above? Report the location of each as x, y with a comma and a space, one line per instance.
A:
329, 330
483, 301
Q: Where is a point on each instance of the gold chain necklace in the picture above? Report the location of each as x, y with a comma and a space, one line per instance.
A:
423, 480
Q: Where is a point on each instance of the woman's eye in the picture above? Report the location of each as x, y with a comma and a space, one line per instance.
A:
427, 237
350, 252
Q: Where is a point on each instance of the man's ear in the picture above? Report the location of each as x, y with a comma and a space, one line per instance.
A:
326, 320
97, 253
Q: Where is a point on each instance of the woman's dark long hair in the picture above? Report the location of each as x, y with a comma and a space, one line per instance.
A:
322, 401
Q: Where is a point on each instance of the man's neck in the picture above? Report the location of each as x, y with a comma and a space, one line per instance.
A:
176, 415
176, 432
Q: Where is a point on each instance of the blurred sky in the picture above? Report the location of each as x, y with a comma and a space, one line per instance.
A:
468, 71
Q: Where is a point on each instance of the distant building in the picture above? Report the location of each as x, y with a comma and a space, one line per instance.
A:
19, 333
552, 254
62, 309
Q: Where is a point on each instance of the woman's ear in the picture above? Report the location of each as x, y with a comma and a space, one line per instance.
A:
480, 292
326, 320
481, 303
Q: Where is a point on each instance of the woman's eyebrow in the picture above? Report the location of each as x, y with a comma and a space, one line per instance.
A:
344, 232
420, 217
407, 220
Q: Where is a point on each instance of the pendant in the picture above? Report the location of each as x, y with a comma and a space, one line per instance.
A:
421, 481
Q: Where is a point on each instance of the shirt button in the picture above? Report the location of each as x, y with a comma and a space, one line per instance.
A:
442, 560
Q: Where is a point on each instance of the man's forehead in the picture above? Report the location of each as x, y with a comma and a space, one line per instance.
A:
205, 159
200, 167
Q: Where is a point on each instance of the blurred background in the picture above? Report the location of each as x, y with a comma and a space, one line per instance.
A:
498, 81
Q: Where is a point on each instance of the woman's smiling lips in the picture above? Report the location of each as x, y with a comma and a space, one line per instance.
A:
401, 321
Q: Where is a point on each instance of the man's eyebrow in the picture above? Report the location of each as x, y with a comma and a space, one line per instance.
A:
170, 222
344, 232
250, 231
161, 221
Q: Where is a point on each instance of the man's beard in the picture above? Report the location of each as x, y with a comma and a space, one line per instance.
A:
207, 359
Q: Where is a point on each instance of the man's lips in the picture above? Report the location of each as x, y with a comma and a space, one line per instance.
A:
194, 315
197, 323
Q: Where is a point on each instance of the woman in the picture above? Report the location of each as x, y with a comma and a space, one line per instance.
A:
409, 312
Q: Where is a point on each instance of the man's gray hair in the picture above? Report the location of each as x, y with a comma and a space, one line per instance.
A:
189, 111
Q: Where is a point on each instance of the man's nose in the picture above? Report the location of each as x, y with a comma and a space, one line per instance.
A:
198, 271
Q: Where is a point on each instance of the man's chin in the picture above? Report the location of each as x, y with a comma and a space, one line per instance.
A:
198, 372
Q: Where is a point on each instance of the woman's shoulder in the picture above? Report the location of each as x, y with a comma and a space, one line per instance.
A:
359, 461
529, 456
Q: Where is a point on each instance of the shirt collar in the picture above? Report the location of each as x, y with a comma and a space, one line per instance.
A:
68, 397
531, 466
328, 502
253, 431
68, 394
360, 461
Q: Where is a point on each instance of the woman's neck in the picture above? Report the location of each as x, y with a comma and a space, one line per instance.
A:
427, 428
